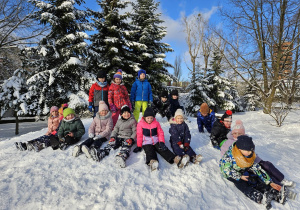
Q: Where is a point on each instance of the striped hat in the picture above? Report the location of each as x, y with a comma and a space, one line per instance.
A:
118, 74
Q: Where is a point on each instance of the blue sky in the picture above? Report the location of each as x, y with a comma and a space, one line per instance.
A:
171, 13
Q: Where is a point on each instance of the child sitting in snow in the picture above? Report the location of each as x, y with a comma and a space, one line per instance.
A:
238, 166
180, 140
99, 131
141, 94
220, 129
70, 131
205, 118
277, 177
123, 135
161, 105
150, 137
174, 103
98, 92
43, 141
117, 96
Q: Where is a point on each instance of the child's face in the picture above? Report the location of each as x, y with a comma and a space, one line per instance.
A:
174, 96
227, 122
118, 81
54, 113
70, 116
101, 79
142, 76
179, 119
163, 99
103, 112
126, 115
245, 152
236, 134
149, 119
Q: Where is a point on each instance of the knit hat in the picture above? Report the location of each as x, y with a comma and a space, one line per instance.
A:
53, 109
102, 106
149, 112
141, 71
174, 92
245, 143
68, 111
204, 109
227, 114
118, 74
164, 94
61, 109
125, 108
178, 112
101, 74
238, 127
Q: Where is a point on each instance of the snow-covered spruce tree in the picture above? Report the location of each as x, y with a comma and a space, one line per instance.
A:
60, 75
148, 48
110, 48
250, 98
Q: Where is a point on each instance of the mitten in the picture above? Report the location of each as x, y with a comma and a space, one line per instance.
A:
54, 133
113, 108
91, 135
112, 140
90, 108
97, 137
162, 146
186, 146
180, 144
129, 142
137, 149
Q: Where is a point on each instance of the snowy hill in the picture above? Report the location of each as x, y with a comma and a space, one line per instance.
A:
56, 180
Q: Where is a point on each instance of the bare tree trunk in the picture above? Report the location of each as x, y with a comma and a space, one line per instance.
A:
17, 123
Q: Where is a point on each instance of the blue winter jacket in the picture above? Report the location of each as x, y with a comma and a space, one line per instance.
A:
180, 133
141, 91
206, 121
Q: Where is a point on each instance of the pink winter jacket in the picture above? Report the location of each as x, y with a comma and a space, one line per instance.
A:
149, 133
53, 123
102, 125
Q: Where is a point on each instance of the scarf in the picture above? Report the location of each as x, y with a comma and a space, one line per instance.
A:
241, 160
102, 84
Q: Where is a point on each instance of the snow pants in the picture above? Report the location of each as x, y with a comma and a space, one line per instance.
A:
137, 108
96, 108
42, 139
93, 143
179, 151
54, 141
119, 142
273, 172
115, 116
151, 151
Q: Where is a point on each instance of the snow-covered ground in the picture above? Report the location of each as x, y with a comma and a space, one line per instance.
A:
56, 180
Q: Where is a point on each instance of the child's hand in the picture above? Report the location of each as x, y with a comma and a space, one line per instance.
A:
275, 186
70, 134
245, 178
137, 149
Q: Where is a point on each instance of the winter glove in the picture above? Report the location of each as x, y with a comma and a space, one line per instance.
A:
54, 133
91, 135
90, 108
180, 145
129, 142
137, 149
97, 137
113, 108
162, 146
186, 146
111, 140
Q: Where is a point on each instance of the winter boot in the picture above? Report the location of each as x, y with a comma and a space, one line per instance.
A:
177, 160
267, 198
21, 146
86, 151
153, 165
76, 151
38, 146
281, 196
197, 159
29, 146
63, 146
120, 160
291, 195
184, 161
97, 155
288, 183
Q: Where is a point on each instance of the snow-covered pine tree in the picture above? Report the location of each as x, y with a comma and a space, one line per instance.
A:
60, 75
148, 48
250, 98
110, 48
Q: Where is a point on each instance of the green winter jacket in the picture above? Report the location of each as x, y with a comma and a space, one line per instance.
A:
75, 126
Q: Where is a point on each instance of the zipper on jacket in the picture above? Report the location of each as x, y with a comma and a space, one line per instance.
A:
142, 90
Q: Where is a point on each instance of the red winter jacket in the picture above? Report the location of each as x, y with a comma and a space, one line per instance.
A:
118, 96
149, 133
98, 93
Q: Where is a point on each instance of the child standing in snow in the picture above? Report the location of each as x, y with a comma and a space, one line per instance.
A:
174, 103
43, 141
123, 134
161, 105
141, 94
238, 166
277, 177
117, 96
99, 131
98, 92
70, 131
150, 137
205, 118
220, 129
180, 140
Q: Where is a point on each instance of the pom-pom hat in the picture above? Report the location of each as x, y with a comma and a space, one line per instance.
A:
102, 106
118, 74
227, 114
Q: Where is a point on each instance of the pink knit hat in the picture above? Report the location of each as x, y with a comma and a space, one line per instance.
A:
238, 127
102, 106
54, 109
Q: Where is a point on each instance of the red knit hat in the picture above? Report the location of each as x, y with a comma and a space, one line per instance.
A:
227, 114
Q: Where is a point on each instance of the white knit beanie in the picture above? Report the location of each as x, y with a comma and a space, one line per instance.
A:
179, 112
102, 106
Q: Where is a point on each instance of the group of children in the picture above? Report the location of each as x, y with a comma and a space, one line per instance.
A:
113, 121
